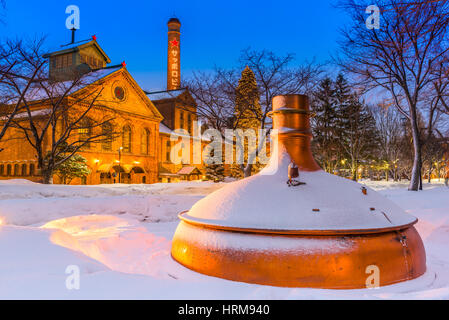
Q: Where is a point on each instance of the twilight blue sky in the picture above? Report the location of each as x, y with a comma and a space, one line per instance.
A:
212, 32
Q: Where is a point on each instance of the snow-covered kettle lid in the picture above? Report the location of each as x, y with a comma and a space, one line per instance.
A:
325, 204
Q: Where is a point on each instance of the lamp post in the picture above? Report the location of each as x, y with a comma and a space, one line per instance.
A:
120, 164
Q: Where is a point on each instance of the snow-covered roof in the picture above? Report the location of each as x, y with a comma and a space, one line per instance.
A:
326, 202
188, 170
73, 47
161, 95
37, 93
35, 113
163, 128
67, 47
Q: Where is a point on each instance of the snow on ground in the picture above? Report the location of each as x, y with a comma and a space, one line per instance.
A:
26, 203
120, 236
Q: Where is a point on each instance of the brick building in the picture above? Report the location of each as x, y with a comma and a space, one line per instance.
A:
144, 119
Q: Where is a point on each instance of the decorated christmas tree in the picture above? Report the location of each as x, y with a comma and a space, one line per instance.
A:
247, 115
247, 108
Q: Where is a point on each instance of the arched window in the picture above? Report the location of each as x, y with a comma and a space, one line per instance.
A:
189, 123
145, 142
106, 130
2, 169
167, 150
126, 139
24, 169
8, 170
32, 169
16, 169
85, 131
181, 120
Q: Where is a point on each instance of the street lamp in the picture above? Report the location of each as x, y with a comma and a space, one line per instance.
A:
120, 164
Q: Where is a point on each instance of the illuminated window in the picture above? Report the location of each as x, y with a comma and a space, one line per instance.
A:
106, 129
85, 131
167, 150
181, 120
126, 139
145, 142
189, 121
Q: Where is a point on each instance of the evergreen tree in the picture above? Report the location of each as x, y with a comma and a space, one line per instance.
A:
359, 135
247, 115
248, 112
214, 171
325, 133
74, 167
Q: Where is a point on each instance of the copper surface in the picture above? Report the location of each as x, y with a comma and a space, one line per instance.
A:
292, 111
341, 262
323, 232
332, 259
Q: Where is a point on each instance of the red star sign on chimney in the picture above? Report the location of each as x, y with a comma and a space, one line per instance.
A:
174, 43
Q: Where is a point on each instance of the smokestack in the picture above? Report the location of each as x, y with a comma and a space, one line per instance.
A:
73, 35
174, 55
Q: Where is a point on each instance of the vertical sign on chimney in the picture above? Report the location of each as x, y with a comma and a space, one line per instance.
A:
174, 57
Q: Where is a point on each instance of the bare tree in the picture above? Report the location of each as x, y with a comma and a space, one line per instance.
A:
57, 118
401, 57
275, 75
12, 62
215, 95
388, 122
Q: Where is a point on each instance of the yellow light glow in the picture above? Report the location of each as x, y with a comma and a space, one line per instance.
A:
1, 221
136, 162
116, 161
96, 160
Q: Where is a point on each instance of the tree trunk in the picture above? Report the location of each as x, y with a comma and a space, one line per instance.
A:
247, 170
415, 181
47, 176
354, 172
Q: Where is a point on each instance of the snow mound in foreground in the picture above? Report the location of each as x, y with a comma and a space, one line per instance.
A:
114, 242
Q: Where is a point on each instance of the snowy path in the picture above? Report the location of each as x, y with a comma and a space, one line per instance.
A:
123, 253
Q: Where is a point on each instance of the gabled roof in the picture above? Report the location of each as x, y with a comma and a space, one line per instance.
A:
165, 95
77, 46
36, 92
164, 129
188, 171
